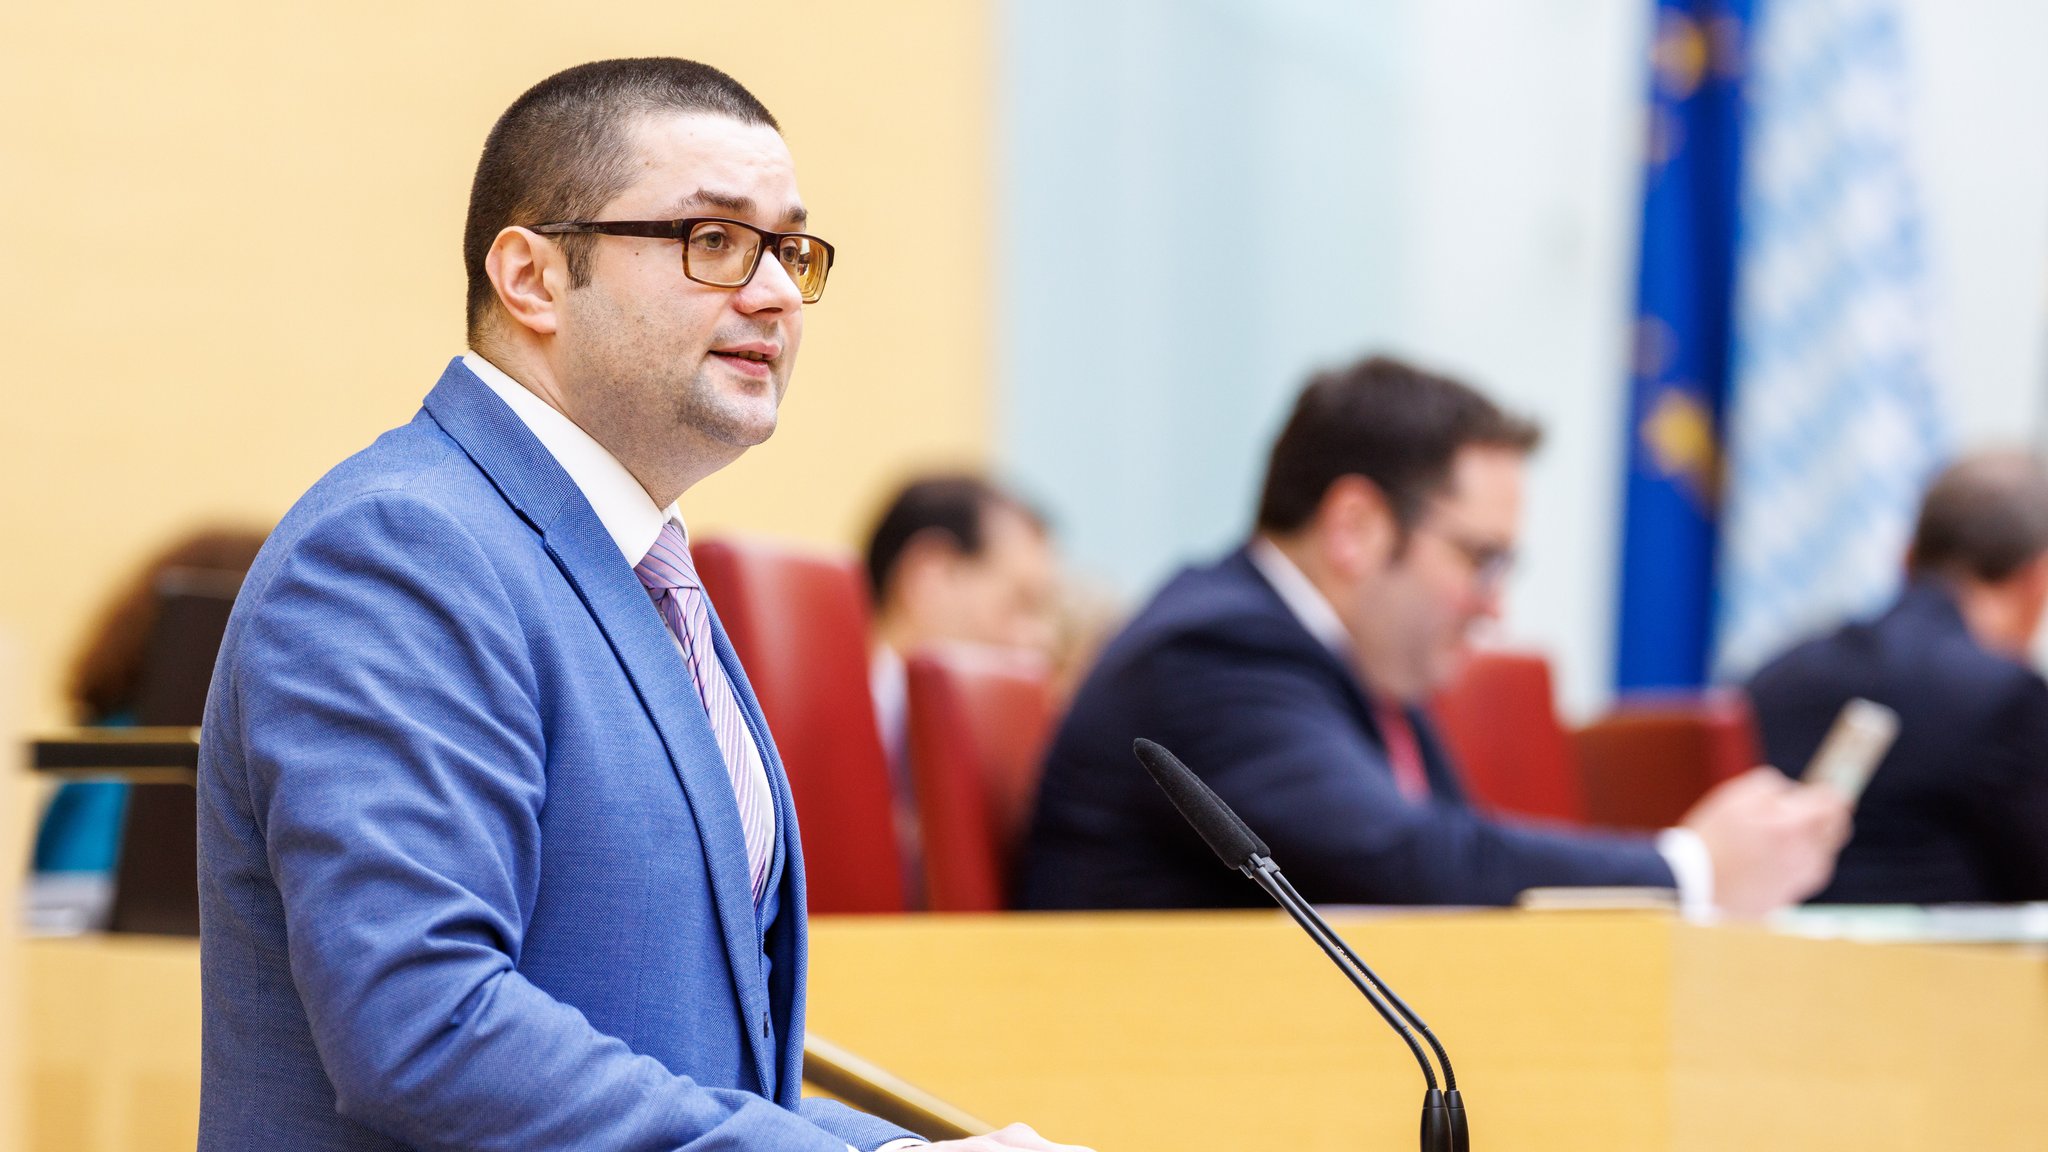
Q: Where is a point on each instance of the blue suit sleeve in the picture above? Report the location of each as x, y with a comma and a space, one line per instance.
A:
1283, 749
394, 757
2009, 797
857, 1128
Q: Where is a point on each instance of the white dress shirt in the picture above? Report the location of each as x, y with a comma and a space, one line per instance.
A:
1692, 867
628, 513
889, 683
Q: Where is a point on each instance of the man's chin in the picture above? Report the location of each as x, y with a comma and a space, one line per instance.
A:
741, 423
745, 434
1451, 666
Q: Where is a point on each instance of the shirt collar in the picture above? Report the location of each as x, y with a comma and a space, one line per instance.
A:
621, 504
1302, 597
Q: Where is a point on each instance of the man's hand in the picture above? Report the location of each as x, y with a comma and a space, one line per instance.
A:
1013, 1137
1773, 841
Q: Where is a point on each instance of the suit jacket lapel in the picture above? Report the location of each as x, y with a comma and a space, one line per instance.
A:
1444, 784
1436, 761
1240, 566
786, 869
771, 759
541, 492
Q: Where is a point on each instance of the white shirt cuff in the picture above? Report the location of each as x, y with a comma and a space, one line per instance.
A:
893, 1145
1692, 866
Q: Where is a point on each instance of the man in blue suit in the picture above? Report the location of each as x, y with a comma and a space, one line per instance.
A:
1957, 812
495, 850
1289, 676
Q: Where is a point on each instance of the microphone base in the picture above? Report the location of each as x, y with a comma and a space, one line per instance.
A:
1443, 1122
1436, 1123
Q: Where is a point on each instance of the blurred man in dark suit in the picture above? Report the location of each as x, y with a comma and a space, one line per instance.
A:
1289, 675
1958, 811
953, 559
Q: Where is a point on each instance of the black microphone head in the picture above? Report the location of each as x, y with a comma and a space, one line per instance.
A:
1219, 827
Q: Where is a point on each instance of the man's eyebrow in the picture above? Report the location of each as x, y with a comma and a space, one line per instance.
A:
740, 207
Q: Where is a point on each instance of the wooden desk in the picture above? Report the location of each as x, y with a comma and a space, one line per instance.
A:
1581, 1031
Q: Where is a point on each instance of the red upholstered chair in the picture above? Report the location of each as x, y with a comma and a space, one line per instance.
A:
1646, 762
1500, 721
979, 722
799, 622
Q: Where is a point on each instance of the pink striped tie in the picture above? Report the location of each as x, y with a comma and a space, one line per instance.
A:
671, 580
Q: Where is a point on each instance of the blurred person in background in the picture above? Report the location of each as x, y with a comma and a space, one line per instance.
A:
953, 559
78, 842
1957, 812
1290, 675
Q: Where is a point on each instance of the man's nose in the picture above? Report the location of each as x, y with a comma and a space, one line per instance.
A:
771, 290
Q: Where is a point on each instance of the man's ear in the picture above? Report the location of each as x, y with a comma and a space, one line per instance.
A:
2031, 583
2035, 572
529, 275
1356, 524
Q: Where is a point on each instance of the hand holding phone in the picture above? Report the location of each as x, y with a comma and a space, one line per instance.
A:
1862, 733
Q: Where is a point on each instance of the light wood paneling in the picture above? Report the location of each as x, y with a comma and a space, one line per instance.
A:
1580, 1031
1586, 1032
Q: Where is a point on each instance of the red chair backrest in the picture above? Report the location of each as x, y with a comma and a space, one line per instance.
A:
1500, 721
799, 621
979, 721
1645, 763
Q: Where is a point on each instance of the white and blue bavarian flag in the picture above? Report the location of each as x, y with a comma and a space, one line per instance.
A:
1834, 426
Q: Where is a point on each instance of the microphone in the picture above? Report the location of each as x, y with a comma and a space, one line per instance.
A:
1443, 1111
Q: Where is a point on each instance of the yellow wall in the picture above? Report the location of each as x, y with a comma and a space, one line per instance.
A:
232, 254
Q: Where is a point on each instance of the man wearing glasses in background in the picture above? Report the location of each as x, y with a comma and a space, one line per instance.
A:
1291, 676
495, 849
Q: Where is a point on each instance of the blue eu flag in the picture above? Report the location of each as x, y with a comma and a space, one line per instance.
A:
1679, 381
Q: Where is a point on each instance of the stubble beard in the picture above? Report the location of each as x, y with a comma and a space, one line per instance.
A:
728, 419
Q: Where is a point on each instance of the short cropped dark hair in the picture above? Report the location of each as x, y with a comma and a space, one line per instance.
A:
954, 505
564, 149
1396, 425
1985, 516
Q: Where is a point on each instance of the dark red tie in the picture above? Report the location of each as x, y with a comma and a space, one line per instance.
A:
1404, 752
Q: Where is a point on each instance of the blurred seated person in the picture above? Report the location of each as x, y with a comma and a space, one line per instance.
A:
78, 841
953, 559
1958, 811
1290, 675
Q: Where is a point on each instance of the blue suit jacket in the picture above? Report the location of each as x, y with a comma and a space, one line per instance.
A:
1958, 810
1218, 669
471, 869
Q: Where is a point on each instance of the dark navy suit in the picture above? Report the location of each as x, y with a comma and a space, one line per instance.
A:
1958, 811
471, 871
1219, 670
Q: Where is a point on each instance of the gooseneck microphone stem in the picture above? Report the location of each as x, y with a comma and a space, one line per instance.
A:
1283, 891
1444, 1126
1266, 874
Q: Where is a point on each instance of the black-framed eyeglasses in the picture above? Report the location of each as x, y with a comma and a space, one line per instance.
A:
1491, 563
720, 252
